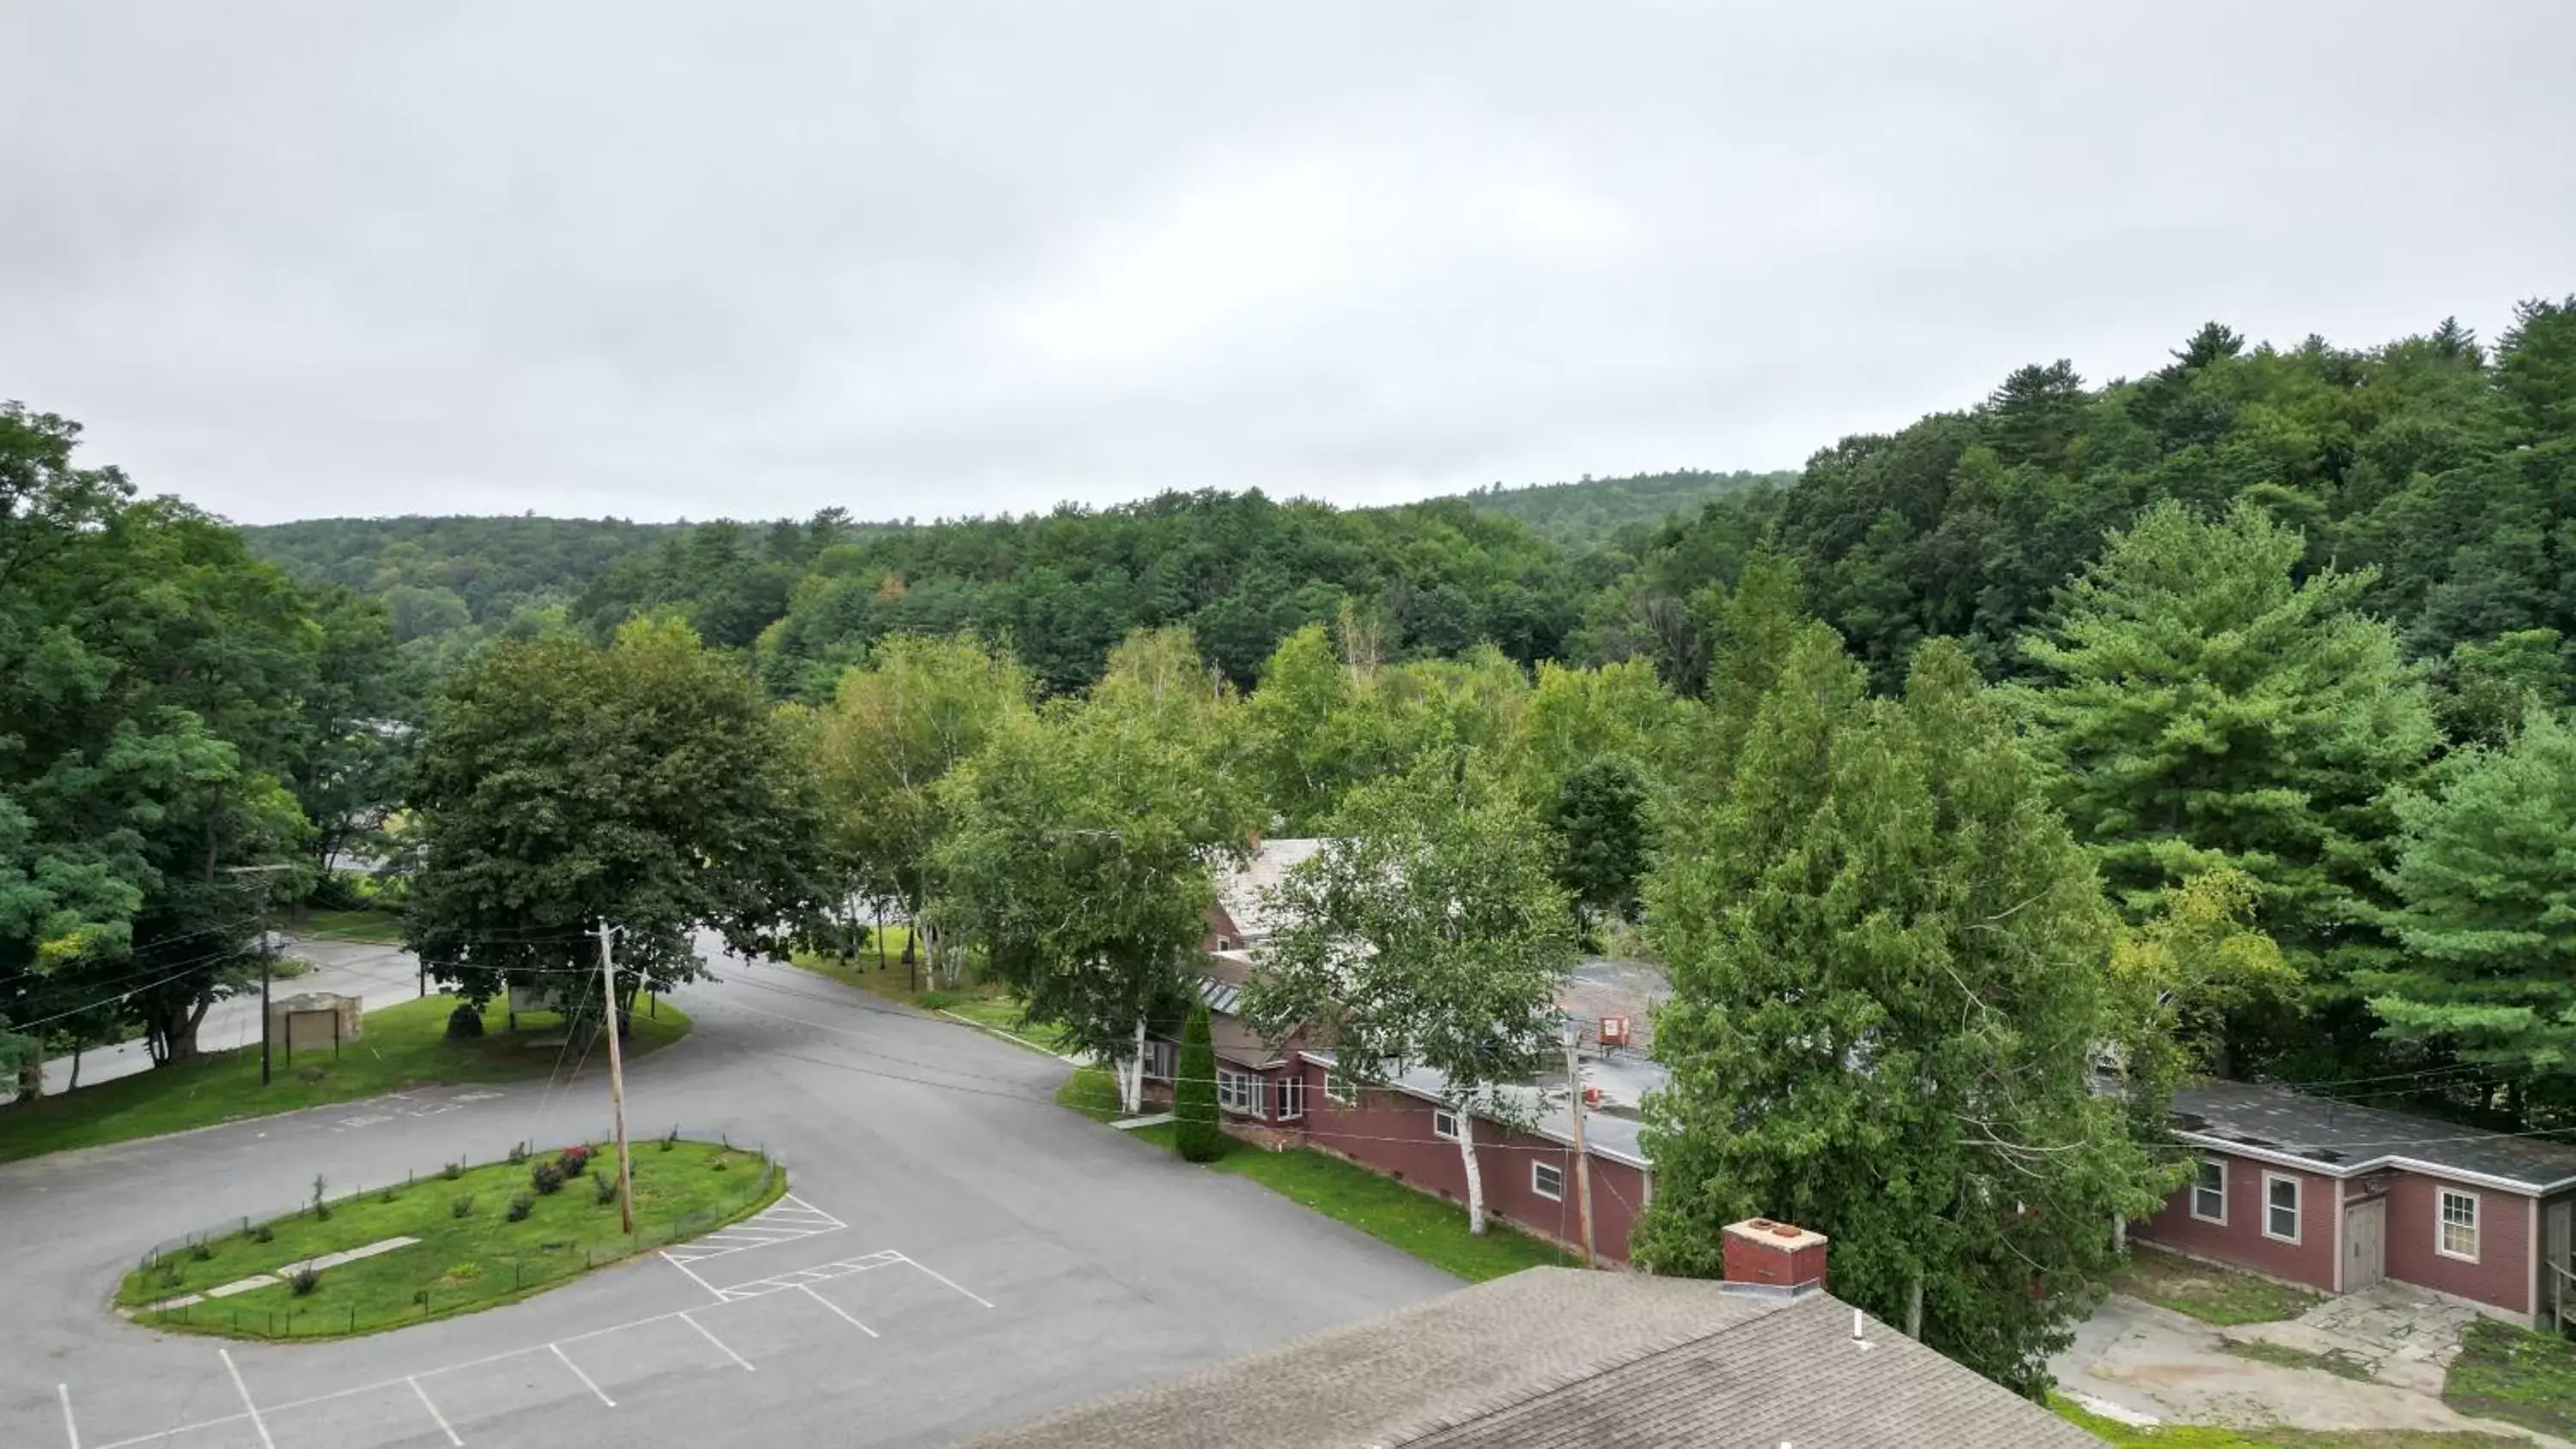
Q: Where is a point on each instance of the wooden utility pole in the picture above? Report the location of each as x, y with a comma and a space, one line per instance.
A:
1582, 1158
616, 1081
266, 957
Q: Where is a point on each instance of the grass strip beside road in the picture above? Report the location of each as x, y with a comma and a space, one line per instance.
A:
465, 1260
402, 1047
2515, 1375
376, 928
2205, 1291
1430, 1228
2204, 1436
984, 1004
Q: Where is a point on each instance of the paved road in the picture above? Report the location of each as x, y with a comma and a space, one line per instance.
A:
383, 975
995, 1257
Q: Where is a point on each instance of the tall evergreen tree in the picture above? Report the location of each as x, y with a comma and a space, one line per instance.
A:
2203, 707
1195, 1133
2486, 879
1890, 973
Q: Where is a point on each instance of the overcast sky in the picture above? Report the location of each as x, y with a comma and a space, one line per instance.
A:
750, 259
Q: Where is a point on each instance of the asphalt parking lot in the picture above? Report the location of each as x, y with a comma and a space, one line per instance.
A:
957, 1254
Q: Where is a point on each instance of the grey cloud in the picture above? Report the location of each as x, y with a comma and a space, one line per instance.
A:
664, 260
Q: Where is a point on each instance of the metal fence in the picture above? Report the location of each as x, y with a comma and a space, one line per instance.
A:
434, 1294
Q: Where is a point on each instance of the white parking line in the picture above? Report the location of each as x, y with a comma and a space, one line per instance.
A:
443, 1426
71, 1430
577, 1373
255, 1421
951, 1282
711, 1338
817, 1297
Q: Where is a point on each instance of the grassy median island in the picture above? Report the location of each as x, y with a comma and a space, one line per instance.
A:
487, 1235
403, 1046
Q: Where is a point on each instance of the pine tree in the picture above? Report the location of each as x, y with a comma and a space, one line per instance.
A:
1195, 1133
2204, 708
1890, 973
2486, 872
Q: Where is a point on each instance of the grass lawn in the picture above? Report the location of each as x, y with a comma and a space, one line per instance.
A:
985, 1004
2341, 1365
1430, 1228
2196, 1436
2515, 1375
2207, 1292
403, 1046
383, 927
464, 1261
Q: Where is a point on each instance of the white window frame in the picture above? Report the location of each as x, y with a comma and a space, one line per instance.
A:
1440, 1115
1340, 1090
1538, 1185
2197, 1188
1161, 1058
1240, 1092
2298, 1207
2442, 1199
1292, 1099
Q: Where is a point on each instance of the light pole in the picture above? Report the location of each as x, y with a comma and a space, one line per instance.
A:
263, 872
616, 1080
1582, 1158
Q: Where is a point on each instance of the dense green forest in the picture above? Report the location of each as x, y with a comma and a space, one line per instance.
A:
2214, 721
1589, 512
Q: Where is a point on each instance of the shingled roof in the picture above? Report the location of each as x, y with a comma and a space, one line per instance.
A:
1553, 1357
2342, 1139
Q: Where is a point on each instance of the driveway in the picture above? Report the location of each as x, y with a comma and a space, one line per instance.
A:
961, 1254
2156, 1365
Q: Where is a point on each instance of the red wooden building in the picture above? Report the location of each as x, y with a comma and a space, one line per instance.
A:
2339, 1196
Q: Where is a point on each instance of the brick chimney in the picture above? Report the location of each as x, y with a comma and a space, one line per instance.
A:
1774, 1259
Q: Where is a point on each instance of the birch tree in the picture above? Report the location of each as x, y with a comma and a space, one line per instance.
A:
1427, 933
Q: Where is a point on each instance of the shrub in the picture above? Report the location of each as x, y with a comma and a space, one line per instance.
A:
389, 1195
521, 1206
603, 1189
312, 1076
1195, 1133
321, 1209
546, 1178
670, 1139
461, 1207
518, 1153
263, 1234
201, 1250
452, 1171
465, 1023
420, 1297
302, 1282
575, 1160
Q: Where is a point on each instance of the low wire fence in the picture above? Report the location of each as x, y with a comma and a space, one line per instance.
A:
388, 1292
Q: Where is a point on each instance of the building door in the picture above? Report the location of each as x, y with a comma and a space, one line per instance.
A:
2365, 1239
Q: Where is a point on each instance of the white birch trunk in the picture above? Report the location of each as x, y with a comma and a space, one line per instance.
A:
1131, 1075
1475, 1179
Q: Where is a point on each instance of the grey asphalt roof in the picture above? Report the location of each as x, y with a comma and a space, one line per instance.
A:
1559, 1357
2343, 1138
1242, 891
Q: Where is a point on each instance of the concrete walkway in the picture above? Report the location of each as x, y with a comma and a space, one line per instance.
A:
2153, 1361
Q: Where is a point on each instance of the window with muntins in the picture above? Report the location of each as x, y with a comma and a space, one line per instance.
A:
1548, 1181
1340, 1090
1292, 1098
1238, 1092
1444, 1123
2281, 1207
2459, 1226
2209, 1192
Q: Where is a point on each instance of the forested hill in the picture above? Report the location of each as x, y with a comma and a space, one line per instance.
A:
1587, 513
2438, 464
